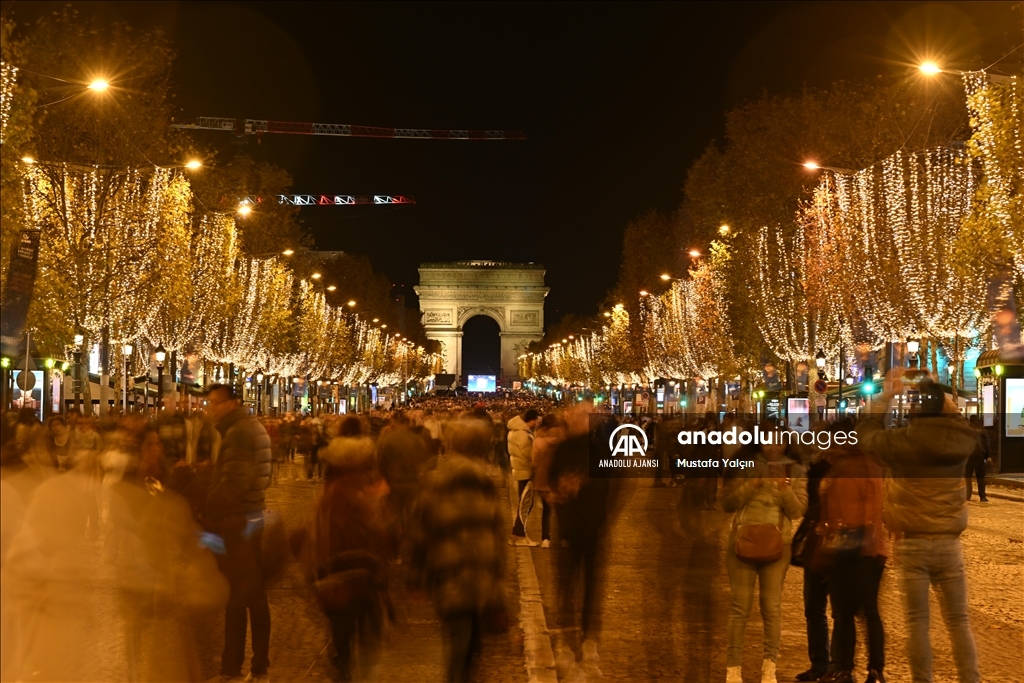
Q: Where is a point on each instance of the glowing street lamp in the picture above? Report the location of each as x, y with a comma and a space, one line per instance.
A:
288, 252
331, 288
351, 303
161, 356
644, 292
929, 68
194, 164
99, 85
723, 229
28, 160
315, 276
694, 253
244, 210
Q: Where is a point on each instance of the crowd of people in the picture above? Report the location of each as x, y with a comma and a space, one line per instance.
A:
178, 504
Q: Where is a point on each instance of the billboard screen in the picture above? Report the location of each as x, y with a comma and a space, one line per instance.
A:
485, 383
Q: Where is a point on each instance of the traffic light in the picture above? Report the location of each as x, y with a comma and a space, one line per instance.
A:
868, 388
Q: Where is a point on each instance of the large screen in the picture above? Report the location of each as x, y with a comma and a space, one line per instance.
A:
1014, 407
483, 383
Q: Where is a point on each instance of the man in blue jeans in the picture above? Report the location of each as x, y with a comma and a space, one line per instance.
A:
234, 511
926, 505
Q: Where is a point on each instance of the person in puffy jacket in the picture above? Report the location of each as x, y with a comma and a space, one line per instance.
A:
456, 537
520, 452
773, 492
550, 433
234, 511
926, 505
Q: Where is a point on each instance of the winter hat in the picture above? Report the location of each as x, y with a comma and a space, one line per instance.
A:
346, 454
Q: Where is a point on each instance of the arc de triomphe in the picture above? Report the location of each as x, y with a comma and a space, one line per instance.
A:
510, 293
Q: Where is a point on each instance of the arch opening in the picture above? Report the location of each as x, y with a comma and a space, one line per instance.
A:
481, 346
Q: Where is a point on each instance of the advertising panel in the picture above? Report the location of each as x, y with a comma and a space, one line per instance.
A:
1014, 406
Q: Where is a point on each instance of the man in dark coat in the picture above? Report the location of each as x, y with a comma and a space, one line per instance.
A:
234, 511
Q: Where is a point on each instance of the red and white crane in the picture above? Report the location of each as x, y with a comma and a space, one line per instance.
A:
242, 127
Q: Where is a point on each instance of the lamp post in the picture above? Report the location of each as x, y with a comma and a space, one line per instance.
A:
259, 392
913, 346
126, 352
77, 372
161, 356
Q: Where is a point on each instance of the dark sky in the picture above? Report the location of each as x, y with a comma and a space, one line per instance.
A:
617, 101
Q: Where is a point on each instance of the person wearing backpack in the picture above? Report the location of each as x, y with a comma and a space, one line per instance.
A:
766, 500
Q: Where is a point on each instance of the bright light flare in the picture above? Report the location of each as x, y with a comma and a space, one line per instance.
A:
244, 210
811, 165
644, 292
666, 277
288, 252
194, 164
351, 303
694, 253
723, 229
28, 160
99, 85
331, 288
929, 68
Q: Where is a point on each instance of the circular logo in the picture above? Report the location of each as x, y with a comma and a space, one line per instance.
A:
622, 440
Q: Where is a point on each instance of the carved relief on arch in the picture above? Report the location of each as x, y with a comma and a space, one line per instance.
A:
495, 312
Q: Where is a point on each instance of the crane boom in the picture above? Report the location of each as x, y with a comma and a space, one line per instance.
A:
256, 127
332, 199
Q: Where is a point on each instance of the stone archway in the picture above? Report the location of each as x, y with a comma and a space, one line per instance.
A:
510, 293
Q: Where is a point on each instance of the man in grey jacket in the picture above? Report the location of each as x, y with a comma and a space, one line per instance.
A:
925, 504
234, 511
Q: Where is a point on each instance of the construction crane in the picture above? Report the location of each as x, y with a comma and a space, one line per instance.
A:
242, 127
331, 199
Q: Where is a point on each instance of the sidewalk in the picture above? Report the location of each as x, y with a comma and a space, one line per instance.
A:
666, 597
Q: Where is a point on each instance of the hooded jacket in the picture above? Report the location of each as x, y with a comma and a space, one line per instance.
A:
520, 448
924, 492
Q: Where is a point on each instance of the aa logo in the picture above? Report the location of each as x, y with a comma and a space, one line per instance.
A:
626, 440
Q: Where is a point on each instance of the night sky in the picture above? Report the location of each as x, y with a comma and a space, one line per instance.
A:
617, 101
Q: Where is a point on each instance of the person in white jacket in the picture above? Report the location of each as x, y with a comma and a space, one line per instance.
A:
520, 452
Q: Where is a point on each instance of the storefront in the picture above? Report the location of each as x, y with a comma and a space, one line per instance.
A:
1001, 405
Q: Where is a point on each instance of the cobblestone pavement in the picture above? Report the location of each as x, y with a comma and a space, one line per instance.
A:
299, 646
666, 597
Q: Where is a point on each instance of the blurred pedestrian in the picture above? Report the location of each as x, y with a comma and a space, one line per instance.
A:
520, 451
766, 499
234, 511
853, 550
456, 545
979, 460
346, 549
815, 585
402, 454
926, 505
550, 433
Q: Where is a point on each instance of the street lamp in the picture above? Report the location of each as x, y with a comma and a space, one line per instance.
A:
77, 372
819, 360
99, 85
929, 68
259, 392
161, 356
913, 346
193, 164
126, 352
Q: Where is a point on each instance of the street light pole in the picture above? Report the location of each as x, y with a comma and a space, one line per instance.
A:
126, 352
259, 392
77, 374
161, 356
